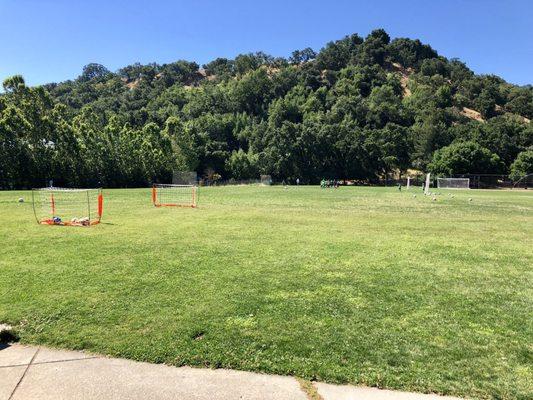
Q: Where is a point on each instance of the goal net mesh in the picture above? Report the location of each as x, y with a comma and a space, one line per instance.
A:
524, 182
184, 178
74, 207
266, 180
453, 183
174, 195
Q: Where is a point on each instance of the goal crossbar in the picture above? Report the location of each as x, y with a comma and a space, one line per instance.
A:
167, 195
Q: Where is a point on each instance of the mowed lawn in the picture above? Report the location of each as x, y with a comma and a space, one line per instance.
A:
355, 285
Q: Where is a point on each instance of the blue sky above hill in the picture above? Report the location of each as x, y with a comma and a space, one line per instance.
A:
51, 40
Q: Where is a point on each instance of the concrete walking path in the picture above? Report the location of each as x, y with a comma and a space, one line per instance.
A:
28, 372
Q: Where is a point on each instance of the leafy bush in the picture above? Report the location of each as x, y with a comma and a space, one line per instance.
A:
465, 158
522, 166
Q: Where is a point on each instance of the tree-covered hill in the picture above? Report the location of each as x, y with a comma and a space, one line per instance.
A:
357, 109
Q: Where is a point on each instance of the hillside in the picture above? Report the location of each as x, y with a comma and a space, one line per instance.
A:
359, 108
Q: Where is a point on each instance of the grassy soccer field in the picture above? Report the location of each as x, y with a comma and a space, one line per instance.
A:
361, 285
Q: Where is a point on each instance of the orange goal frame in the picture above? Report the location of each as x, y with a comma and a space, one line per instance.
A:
156, 200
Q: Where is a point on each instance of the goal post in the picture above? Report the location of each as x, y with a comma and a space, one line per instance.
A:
166, 195
68, 207
453, 183
426, 185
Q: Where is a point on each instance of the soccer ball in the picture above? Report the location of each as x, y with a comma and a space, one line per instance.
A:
434, 199
414, 195
470, 199
21, 200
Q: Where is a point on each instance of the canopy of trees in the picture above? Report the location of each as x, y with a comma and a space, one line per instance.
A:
360, 108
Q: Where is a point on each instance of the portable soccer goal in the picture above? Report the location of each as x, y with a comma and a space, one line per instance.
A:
164, 195
68, 207
184, 178
453, 183
266, 180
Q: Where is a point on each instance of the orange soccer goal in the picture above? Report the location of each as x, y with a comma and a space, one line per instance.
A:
174, 195
68, 207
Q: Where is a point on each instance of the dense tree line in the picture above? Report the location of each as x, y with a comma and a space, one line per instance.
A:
357, 109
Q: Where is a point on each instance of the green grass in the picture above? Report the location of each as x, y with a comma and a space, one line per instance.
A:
360, 285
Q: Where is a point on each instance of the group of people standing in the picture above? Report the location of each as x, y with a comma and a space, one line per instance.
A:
329, 183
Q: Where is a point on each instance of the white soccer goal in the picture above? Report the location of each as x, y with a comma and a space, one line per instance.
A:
266, 180
68, 207
174, 195
184, 178
453, 183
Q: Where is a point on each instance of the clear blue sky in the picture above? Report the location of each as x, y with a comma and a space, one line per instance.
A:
51, 40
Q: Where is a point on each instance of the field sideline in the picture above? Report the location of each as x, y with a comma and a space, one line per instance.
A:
355, 285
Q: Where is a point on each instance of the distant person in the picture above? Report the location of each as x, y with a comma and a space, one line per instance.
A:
297, 181
399, 187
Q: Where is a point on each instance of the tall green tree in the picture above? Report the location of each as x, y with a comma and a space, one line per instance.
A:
522, 166
465, 158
